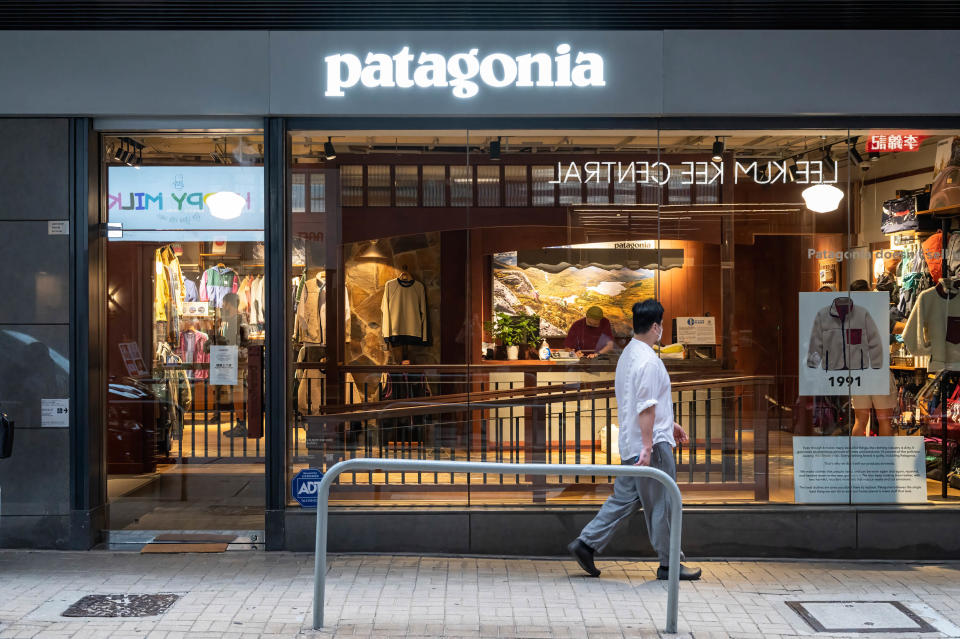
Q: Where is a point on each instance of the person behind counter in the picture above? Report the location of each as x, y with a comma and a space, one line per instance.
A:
591, 333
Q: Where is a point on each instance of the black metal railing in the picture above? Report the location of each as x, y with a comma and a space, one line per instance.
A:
470, 414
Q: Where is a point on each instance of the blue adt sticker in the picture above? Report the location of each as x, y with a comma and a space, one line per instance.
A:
306, 487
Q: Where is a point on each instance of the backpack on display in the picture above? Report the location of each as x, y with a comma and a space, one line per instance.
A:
899, 215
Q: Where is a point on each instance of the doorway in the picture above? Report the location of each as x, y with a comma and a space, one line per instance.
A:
185, 314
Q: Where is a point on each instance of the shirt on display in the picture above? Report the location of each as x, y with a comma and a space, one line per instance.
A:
404, 312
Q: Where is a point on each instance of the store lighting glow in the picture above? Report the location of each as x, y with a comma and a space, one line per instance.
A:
822, 198
225, 205
718, 150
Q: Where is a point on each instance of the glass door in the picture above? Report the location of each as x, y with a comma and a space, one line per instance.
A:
185, 335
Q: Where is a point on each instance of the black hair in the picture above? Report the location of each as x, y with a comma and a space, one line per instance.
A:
646, 314
859, 285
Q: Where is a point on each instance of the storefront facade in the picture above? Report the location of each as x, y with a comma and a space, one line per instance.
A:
243, 255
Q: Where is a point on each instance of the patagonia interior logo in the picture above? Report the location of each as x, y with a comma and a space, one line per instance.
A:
464, 72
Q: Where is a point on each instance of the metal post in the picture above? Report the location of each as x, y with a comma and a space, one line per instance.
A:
353, 465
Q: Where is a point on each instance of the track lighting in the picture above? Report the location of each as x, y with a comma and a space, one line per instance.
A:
329, 152
873, 156
793, 170
855, 156
827, 156
129, 152
718, 147
495, 149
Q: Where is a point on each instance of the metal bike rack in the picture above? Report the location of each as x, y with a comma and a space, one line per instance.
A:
368, 464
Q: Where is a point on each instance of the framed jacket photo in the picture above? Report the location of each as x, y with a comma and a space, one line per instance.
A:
844, 343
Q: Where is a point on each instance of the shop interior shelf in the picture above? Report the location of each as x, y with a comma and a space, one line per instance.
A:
944, 211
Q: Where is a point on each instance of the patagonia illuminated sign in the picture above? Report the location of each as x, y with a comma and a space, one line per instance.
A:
170, 203
465, 74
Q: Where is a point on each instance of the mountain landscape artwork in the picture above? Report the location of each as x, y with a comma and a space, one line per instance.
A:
561, 292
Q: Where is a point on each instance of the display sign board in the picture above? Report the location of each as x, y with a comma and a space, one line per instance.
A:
697, 330
223, 365
859, 470
58, 227
894, 141
186, 203
306, 487
196, 309
844, 343
55, 413
132, 359
468, 72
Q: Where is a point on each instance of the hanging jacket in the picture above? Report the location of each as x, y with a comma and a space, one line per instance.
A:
216, 282
933, 254
178, 382
190, 292
193, 350
311, 316
933, 328
953, 254
844, 337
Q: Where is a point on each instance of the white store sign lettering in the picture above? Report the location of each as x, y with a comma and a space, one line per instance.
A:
690, 173
464, 72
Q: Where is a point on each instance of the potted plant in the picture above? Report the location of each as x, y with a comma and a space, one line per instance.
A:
514, 331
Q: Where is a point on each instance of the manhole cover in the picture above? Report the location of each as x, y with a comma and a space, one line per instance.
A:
860, 616
121, 606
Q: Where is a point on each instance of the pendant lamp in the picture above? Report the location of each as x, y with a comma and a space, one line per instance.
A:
822, 198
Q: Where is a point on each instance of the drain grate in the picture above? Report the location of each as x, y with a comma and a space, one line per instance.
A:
860, 616
121, 606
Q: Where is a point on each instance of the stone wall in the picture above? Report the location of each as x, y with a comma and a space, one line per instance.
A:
365, 280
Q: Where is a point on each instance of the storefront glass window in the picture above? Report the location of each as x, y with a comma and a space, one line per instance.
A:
461, 332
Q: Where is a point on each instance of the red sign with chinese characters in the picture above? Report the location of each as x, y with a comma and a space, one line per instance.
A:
894, 141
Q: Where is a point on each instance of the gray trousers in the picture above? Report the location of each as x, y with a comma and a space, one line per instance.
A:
630, 493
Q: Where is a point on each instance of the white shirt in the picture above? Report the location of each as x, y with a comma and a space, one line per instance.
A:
641, 382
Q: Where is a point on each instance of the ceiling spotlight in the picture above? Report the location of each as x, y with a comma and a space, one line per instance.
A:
329, 152
874, 156
120, 151
827, 155
855, 156
495, 149
822, 198
793, 170
718, 150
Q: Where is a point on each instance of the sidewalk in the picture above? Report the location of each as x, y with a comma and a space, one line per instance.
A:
258, 594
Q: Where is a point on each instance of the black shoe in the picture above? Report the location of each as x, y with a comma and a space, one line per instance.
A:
584, 556
240, 430
686, 574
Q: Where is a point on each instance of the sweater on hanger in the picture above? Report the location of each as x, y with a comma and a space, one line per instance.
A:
933, 328
404, 312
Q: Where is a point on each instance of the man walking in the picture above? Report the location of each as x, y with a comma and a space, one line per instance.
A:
648, 436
